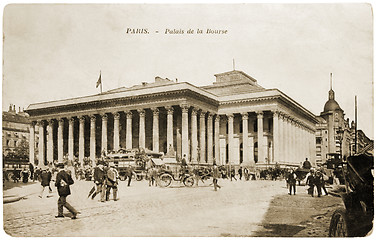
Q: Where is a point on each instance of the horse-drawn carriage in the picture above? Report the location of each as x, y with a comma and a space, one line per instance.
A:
356, 220
184, 175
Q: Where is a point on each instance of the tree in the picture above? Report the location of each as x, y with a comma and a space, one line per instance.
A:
22, 150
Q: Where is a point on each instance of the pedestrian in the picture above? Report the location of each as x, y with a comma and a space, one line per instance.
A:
99, 180
37, 174
129, 173
291, 180
232, 174
31, 169
246, 174
63, 181
25, 175
16, 175
319, 180
324, 180
45, 177
215, 177
240, 172
112, 182
311, 182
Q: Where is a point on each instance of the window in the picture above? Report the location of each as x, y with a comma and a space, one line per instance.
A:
318, 140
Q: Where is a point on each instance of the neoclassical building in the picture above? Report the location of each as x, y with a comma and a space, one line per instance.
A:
233, 121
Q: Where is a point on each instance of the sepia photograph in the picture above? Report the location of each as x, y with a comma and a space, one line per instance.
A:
188, 120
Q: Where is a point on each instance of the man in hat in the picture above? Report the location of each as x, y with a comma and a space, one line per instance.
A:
112, 181
215, 176
45, 180
63, 180
99, 180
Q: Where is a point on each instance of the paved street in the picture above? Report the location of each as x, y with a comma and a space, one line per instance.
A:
254, 208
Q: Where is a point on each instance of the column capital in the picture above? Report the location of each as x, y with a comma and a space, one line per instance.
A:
141, 112
245, 116
50, 121
60, 120
82, 119
32, 124
40, 123
104, 117
184, 108
230, 116
217, 118
71, 119
155, 111
194, 111
92, 118
170, 109
202, 114
116, 115
210, 115
129, 114
260, 114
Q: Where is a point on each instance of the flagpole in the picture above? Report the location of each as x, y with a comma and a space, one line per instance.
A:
100, 74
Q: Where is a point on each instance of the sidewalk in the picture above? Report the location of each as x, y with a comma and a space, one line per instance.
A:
16, 191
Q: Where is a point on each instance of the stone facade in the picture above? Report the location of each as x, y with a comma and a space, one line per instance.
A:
334, 133
15, 126
233, 121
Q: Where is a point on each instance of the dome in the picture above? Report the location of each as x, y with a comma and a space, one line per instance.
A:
331, 105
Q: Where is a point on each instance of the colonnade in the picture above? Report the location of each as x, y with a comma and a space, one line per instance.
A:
200, 136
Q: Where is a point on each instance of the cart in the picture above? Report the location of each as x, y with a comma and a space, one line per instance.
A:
356, 219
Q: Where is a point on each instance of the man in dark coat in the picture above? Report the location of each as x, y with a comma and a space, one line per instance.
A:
319, 180
45, 177
291, 180
63, 180
129, 174
311, 182
100, 181
240, 172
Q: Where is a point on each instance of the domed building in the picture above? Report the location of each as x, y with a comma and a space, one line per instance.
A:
332, 131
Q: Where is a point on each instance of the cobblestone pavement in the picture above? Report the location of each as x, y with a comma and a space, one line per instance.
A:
239, 208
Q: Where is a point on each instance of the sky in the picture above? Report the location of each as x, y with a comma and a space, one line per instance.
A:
53, 52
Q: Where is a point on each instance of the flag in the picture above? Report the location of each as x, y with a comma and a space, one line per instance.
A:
99, 82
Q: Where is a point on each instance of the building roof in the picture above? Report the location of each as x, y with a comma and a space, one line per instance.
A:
16, 118
331, 105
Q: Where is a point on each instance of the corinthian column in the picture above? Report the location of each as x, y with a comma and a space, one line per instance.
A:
170, 127
104, 132
60, 140
246, 159
260, 137
275, 136
50, 143
129, 130
194, 141
71, 139
81, 141
41, 144
216, 139
141, 142
184, 133
210, 138
155, 129
230, 118
92, 139
116, 131
202, 137
32, 142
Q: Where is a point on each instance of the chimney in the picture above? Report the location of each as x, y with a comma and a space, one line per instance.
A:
14, 108
10, 108
19, 109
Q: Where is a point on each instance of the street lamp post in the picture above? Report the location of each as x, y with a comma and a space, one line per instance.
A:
340, 133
